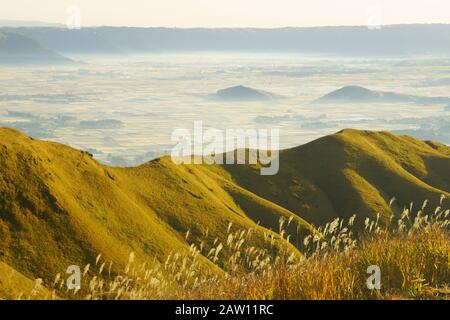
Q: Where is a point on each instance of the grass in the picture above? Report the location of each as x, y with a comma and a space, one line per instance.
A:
14, 285
59, 207
413, 254
352, 172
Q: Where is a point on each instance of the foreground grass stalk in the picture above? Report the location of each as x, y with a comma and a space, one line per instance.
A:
413, 254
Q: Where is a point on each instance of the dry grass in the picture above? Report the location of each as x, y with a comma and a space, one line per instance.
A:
413, 253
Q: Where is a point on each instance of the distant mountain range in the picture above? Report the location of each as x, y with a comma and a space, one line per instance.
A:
17, 49
353, 41
357, 94
58, 206
389, 40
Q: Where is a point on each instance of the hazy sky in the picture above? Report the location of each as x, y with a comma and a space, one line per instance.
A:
230, 13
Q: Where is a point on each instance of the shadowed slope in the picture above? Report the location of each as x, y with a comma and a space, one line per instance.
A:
353, 172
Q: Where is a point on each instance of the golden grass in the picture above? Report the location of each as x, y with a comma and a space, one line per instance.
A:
59, 207
14, 285
413, 255
412, 252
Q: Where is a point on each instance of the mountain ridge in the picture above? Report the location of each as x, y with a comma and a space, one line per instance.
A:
350, 40
59, 206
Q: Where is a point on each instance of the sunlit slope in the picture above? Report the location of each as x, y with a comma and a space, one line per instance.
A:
14, 285
353, 172
59, 207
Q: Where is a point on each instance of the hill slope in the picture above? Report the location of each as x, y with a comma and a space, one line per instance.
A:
17, 49
357, 94
242, 93
353, 172
58, 206
14, 285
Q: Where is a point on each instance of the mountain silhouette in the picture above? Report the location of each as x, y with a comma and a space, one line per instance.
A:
358, 94
243, 93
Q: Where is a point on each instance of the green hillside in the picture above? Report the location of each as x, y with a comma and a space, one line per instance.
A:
59, 207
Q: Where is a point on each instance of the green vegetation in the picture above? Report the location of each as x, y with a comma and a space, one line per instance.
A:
60, 207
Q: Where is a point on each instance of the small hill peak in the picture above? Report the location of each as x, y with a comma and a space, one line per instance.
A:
243, 93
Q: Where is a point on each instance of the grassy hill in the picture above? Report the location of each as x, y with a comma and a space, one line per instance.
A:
353, 172
59, 207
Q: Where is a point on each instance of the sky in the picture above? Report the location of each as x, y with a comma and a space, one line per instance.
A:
228, 13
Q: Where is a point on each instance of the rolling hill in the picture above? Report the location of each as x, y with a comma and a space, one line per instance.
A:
58, 206
357, 94
243, 93
353, 172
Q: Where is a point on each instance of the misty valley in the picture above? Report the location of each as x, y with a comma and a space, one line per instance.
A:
123, 109
224, 164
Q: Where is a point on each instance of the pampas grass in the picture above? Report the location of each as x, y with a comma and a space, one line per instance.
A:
413, 253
